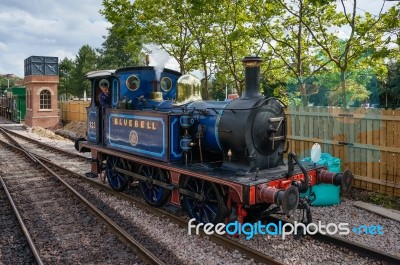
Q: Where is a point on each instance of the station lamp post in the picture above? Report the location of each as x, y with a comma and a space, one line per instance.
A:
8, 80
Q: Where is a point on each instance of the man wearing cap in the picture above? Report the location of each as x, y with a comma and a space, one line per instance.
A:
104, 97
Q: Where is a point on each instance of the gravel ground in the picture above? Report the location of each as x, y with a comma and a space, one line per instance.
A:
346, 212
303, 251
189, 249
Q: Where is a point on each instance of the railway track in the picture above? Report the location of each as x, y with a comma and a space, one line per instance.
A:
220, 240
224, 241
64, 227
14, 240
361, 249
37, 146
68, 158
358, 248
42, 149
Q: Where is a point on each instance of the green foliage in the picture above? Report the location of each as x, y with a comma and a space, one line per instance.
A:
384, 200
217, 90
355, 92
7, 81
233, 39
297, 40
85, 61
390, 93
280, 25
66, 86
119, 50
363, 47
377, 198
164, 23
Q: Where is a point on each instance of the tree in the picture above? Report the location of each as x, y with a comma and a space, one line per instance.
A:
65, 86
233, 40
296, 39
153, 22
363, 40
391, 91
119, 50
282, 30
390, 81
355, 92
182, 28
85, 61
7, 81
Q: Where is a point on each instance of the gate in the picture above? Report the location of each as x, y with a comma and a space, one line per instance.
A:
366, 140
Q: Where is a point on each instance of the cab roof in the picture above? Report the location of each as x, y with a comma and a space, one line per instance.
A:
99, 73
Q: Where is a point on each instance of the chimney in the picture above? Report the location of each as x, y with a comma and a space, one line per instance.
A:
252, 75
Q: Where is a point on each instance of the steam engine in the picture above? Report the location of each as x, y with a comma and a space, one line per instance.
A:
219, 160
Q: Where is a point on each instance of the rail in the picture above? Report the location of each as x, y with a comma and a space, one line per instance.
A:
144, 253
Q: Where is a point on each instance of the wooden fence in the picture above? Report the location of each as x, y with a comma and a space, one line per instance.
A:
73, 110
366, 140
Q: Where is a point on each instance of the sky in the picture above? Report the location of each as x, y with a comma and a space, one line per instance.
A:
47, 28
59, 28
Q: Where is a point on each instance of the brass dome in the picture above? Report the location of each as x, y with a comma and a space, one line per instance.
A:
189, 89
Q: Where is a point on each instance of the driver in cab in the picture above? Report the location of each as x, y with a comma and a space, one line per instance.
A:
104, 97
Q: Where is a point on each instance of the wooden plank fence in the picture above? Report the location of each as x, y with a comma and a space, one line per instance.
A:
366, 140
73, 110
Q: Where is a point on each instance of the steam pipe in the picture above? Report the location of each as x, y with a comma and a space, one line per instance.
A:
156, 94
156, 86
304, 184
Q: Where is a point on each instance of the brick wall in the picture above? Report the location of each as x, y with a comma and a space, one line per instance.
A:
36, 116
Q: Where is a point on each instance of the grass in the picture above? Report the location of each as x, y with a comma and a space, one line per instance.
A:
390, 202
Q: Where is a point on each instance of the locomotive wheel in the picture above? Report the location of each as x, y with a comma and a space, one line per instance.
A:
208, 210
154, 195
117, 181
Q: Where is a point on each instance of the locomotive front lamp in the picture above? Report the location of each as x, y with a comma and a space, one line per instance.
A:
230, 154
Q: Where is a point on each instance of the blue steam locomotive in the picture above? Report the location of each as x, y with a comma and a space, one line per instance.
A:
219, 160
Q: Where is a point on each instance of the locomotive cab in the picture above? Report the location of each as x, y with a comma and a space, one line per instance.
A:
96, 114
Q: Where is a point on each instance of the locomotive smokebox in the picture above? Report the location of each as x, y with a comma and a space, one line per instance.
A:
252, 76
252, 129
